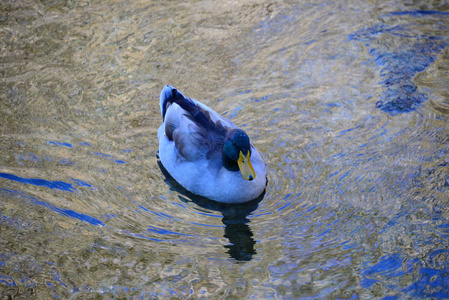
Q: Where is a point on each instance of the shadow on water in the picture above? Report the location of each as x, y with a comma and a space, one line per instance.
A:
399, 64
235, 218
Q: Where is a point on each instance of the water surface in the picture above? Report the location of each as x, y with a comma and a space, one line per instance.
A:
347, 102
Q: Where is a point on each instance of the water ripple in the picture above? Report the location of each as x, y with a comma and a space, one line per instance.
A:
355, 201
60, 185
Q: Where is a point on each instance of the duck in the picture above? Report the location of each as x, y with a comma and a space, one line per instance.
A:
207, 153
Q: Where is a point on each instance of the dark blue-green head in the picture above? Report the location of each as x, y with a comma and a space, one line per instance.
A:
237, 153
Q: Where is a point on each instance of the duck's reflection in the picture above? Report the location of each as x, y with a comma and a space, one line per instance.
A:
237, 230
235, 219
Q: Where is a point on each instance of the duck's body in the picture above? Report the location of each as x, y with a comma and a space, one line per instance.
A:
206, 153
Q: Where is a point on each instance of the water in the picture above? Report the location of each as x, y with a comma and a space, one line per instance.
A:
348, 102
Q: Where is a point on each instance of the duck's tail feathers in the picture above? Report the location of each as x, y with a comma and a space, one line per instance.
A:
171, 95
167, 97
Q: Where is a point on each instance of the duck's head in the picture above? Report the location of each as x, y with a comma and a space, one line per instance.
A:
237, 153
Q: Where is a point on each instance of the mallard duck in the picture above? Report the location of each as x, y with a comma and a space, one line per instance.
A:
206, 153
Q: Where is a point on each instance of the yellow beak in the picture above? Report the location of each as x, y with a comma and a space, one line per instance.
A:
245, 167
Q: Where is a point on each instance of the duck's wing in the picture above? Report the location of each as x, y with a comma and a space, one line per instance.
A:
196, 130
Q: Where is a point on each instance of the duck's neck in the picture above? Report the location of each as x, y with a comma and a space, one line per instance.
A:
229, 164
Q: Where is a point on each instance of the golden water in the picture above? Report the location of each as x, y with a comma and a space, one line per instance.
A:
356, 203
